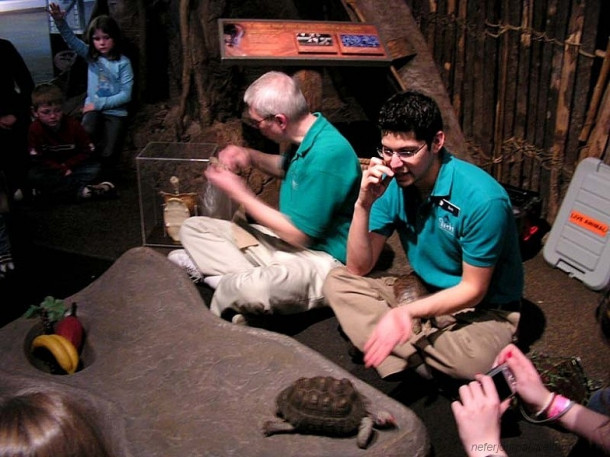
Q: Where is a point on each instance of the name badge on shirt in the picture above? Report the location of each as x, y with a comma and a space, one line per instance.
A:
448, 206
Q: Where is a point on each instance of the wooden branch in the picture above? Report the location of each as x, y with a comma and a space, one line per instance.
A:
186, 65
201, 57
198, 67
460, 65
525, 78
582, 85
555, 25
498, 134
597, 94
564, 98
598, 140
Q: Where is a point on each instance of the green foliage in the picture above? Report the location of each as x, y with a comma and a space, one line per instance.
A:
54, 307
565, 376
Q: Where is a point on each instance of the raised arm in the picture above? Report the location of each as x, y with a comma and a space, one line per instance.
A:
363, 246
73, 42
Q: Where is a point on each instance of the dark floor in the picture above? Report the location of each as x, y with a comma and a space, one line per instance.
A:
60, 249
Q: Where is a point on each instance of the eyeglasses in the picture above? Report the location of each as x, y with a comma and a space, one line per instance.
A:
256, 123
387, 153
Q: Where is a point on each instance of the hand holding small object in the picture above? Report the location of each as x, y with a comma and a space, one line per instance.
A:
235, 158
375, 180
530, 387
478, 414
227, 181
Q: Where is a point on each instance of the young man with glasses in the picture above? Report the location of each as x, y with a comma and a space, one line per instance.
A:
456, 225
277, 265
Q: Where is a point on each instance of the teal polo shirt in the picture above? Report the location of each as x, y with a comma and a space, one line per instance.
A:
320, 187
467, 218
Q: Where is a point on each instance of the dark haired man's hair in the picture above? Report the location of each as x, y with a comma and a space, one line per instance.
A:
107, 25
411, 112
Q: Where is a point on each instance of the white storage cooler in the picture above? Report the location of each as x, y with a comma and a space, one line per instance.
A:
579, 242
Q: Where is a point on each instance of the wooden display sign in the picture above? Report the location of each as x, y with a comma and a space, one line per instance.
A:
301, 43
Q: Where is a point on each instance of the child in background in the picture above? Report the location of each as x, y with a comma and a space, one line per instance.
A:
61, 152
109, 82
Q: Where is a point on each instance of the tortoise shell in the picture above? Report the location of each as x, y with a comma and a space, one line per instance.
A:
322, 405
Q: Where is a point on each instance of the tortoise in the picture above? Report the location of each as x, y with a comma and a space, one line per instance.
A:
323, 405
408, 288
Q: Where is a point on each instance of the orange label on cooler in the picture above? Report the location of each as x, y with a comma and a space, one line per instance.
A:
588, 223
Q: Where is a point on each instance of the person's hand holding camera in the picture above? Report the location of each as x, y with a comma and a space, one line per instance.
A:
477, 415
529, 385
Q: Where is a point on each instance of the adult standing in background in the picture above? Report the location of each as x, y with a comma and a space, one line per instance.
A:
16, 85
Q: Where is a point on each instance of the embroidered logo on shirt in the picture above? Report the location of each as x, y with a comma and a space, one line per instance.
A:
445, 224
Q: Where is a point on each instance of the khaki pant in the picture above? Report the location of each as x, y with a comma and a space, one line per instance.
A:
261, 274
460, 350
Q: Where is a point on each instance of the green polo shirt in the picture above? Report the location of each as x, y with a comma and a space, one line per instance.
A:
467, 218
320, 187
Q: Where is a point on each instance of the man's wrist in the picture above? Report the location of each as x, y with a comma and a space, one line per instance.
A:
360, 205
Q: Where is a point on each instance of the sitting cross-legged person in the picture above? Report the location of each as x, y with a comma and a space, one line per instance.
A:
456, 226
62, 166
278, 264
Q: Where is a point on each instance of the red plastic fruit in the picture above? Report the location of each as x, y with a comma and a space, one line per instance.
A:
71, 328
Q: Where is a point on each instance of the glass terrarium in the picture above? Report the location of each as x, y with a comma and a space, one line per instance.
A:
172, 188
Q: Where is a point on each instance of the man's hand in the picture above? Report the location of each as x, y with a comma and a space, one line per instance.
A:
235, 158
222, 178
7, 121
375, 180
394, 328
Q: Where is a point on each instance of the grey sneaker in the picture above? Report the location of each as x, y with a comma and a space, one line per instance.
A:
6, 264
239, 319
103, 190
182, 259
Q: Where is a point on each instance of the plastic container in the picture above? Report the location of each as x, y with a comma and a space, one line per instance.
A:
579, 242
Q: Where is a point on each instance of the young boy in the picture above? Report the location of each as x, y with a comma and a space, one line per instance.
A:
62, 164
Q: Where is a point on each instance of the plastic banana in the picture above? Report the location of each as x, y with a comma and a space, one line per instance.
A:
62, 349
71, 350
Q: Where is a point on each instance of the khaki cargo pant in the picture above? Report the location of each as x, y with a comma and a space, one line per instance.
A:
460, 350
261, 274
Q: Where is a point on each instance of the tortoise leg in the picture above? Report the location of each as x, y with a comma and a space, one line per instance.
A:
365, 432
384, 419
273, 427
